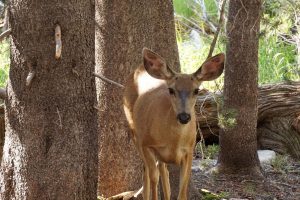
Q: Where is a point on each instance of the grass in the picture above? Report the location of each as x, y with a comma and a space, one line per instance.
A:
4, 62
182, 7
280, 163
277, 61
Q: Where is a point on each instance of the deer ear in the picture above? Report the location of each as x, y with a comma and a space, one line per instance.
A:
156, 66
211, 69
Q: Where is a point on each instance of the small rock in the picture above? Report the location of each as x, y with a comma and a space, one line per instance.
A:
265, 156
237, 199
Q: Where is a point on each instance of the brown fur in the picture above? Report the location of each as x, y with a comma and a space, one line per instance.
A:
152, 113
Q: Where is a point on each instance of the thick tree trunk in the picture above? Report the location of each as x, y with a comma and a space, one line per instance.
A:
118, 49
238, 137
123, 29
2, 131
50, 149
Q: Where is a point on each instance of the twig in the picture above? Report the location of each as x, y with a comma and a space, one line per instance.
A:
58, 47
5, 34
205, 191
2, 93
284, 184
127, 195
213, 44
108, 80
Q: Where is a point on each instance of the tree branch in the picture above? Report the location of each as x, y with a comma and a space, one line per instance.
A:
213, 44
3, 94
5, 34
108, 80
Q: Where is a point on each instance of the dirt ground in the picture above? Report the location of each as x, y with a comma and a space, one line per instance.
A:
281, 182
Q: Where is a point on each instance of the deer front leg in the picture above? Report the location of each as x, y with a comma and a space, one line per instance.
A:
153, 173
185, 173
146, 183
164, 174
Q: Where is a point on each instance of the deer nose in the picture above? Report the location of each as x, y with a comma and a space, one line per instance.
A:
184, 118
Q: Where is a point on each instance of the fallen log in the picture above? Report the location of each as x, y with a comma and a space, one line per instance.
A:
278, 117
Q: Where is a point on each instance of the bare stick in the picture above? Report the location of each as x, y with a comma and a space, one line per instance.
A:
213, 44
108, 80
5, 34
58, 42
2, 93
127, 195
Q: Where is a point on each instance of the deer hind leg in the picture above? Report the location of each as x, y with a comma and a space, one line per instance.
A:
152, 174
164, 174
185, 173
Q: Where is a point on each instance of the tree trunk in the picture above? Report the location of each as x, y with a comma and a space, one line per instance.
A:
2, 131
50, 149
123, 29
238, 137
118, 47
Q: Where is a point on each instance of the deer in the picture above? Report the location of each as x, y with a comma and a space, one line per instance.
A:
159, 107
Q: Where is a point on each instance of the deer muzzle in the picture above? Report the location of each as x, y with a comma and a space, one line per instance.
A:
184, 118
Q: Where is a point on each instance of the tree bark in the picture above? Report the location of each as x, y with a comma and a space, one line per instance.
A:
50, 149
2, 131
117, 52
123, 29
238, 143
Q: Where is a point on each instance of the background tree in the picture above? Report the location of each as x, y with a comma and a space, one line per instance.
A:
122, 30
238, 137
50, 149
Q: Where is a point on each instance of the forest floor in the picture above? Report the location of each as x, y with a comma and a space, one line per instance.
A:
281, 182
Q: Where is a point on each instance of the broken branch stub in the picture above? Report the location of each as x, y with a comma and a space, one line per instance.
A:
58, 47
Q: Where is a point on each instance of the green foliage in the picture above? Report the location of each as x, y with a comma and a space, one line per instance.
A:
183, 8
277, 53
209, 151
212, 196
227, 119
280, 163
4, 62
192, 57
212, 10
276, 61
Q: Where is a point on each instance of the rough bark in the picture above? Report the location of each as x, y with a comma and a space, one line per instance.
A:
2, 131
238, 142
50, 149
120, 167
123, 29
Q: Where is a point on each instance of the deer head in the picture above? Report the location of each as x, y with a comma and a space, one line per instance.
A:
182, 88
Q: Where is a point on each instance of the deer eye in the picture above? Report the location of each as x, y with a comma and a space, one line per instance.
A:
196, 91
171, 91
